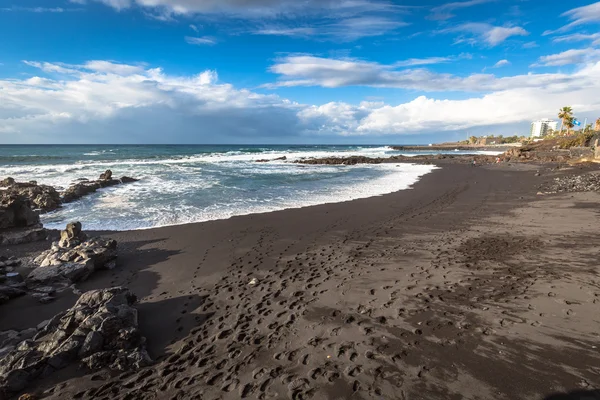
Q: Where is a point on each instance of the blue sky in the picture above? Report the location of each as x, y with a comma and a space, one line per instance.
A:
290, 71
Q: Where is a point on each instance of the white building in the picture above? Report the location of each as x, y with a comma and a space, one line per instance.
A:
540, 128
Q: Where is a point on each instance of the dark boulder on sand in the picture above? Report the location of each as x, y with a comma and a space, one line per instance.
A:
73, 259
99, 331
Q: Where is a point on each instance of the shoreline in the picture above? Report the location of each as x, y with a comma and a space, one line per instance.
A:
409, 292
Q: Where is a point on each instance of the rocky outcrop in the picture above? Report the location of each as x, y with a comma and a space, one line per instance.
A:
19, 223
274, 159
353, 160
99, 331
86, 187
42, 197
74, 258
16, 211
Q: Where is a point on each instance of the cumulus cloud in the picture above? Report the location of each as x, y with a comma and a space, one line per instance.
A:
106, 102
487, 33
112, 102
569, 57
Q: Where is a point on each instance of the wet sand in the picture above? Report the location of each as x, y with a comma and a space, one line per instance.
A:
468, 286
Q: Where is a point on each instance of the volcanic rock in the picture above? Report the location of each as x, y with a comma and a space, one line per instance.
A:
100, 330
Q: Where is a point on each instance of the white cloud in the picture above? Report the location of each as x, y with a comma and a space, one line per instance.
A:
194, 28
201, 41
579, 37
569, 57
502, 63
306, 70
530, 45
412, 62
38, 9
340, 20
100, 101
444, 11
579, 16
257, 8
344, 29
491, 35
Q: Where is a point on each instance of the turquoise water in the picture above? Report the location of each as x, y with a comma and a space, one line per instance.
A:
193, 183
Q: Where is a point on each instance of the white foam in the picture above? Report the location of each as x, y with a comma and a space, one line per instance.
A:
125, 199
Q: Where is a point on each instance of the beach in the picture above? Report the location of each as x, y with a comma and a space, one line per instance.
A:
469, 285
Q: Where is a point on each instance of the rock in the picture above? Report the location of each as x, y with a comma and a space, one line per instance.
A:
94, 341
83, 188
23, 235
16, 211
7, 182
9, 292
67, 271
127, 179
42, 197
73, 259
72, 235
13, 277
98, 330
106, 176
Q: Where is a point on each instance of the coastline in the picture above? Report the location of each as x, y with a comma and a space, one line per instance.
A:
405, 292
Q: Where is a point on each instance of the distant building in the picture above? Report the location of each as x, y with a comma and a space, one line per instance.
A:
542, 127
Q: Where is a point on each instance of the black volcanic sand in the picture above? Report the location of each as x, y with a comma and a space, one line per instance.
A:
469, 286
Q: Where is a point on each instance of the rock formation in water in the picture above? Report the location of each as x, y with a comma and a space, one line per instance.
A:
86, 187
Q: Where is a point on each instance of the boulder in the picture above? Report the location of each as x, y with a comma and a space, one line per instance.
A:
23, 235
42, 197
72, 235
16, 211
73, 259
99, 331
106, 176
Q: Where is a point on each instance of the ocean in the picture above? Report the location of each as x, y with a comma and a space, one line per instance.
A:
193, 183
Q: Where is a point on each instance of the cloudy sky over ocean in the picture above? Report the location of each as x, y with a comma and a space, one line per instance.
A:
291, 71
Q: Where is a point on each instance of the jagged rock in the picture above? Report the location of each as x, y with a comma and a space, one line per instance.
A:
101, 330
42, 197
68, 271
23, 235
83, 188
7, 182
16, 212
106, 176
73, 259
72, 235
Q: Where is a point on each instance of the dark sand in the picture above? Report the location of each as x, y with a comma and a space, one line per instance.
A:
469, 286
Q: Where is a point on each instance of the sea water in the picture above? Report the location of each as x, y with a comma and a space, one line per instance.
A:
193, 183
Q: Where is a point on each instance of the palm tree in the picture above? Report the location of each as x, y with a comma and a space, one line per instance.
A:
597, 127
565, 114
570, 123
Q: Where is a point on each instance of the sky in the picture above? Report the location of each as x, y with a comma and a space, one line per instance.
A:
292, 71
